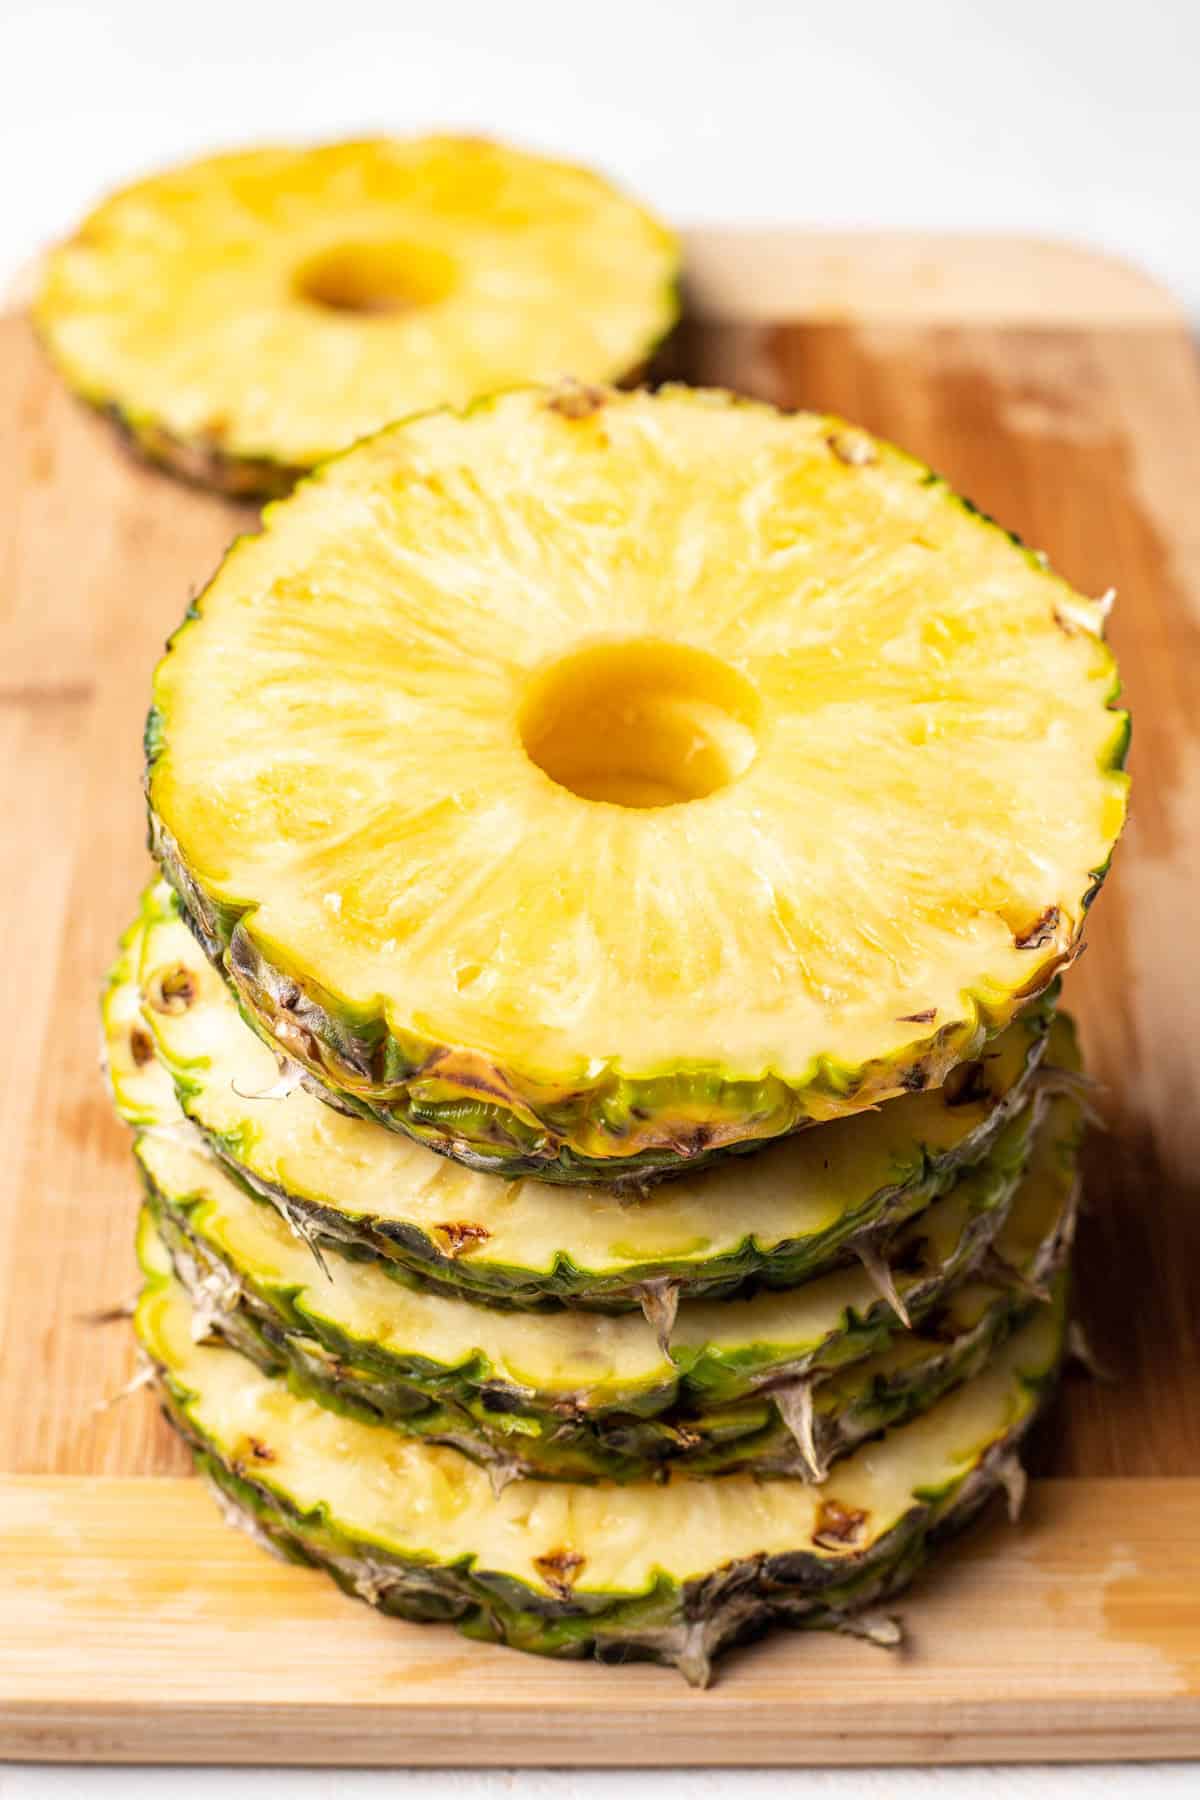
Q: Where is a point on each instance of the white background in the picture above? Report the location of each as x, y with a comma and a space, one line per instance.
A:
1046, 116
1057, 119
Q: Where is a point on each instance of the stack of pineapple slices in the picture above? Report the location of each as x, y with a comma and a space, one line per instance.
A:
598, 789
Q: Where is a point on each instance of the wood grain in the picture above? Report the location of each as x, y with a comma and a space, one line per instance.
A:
144, 1629
1061, 393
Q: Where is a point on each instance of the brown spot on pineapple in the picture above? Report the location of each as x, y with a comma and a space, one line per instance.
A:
575, 401
965, 1085
853, 448
461, 1237
920, 1018
171, 991
141, 1046
1040, 932
251, 1450
839, 1527
559, 1569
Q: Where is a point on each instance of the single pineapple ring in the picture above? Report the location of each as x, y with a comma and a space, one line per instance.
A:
670, 1571
595, 782
802, 1205
245, 316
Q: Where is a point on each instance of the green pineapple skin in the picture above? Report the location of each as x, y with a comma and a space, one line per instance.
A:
712, 1416
686, 1628
716, 1374
925, 1175
686, 1625
515, 1439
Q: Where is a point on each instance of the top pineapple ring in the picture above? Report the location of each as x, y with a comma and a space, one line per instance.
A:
247, 315
596, 781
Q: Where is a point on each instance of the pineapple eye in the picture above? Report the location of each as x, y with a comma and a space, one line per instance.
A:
641, 724
171, 991
375, 278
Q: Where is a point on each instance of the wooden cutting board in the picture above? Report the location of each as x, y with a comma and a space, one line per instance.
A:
1060, 391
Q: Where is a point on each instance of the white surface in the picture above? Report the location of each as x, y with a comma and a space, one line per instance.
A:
1125, 1781
1022, 115
1047, 116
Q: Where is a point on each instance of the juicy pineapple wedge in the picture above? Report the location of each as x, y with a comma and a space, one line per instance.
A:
674, 1572
778, 1217
594, 782
245, 316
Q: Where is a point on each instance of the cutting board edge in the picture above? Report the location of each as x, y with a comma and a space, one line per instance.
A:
541, 1713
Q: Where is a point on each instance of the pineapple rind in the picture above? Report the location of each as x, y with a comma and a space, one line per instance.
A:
698, 1372
589, 1422
602, 1123
682, 1627
310, 1174
200, 463
586, 1435
506, 1586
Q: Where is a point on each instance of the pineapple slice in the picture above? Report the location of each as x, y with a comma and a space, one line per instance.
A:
781, 1216
717, 1350
575, 1396
595, 782
245, 316
671, 1571
572, 1394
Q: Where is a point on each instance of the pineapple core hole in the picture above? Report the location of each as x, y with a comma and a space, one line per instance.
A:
641, 724
375, 278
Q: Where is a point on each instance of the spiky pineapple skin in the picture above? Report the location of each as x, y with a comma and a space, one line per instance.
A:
715, 1414
682, 1626
500, 1429
675, 1618
717, 1374
747, 1268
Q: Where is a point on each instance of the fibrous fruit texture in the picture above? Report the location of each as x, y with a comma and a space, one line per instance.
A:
593, 783
245, 316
